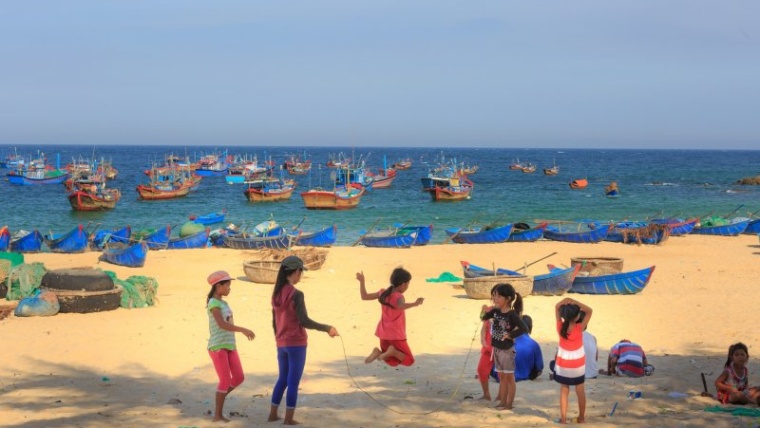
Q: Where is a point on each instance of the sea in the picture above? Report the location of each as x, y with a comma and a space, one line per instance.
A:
652, 183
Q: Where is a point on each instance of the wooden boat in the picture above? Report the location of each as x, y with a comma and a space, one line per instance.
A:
734, 228
580, 183
208, 219
551, 171
388, 239
103, 237
261, 271
269, 190
98, 199
638, 233
297, 166
480, 235
321, 238
516, 165
453, 193
403, 164
616, 283
522, 232
467, 170
5, 238
74, 241
198, 240
424, 233
155, 191
24, 241
243, 241
678, 227
556, 282
612, 191
337, 199
159, 239
472, 271
383, 178
126, 255
480, 287
529, 168
37, 177
587, 236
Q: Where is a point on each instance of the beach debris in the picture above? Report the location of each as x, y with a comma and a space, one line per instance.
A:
614, 407
445, 277
632, 395
174, 401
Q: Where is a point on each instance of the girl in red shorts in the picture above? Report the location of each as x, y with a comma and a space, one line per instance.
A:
392, 326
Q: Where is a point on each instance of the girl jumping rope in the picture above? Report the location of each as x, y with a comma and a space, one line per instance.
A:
733, 382
570, 362
392, 326
505, 327
221, 342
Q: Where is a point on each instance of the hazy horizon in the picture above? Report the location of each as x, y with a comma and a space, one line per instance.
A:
585, 74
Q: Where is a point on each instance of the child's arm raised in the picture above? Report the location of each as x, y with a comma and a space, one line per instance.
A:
401, 304
363, 289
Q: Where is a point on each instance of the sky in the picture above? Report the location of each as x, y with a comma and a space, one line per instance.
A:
420, 73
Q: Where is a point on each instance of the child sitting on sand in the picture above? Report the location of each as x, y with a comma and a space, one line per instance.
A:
733, 382
391, 329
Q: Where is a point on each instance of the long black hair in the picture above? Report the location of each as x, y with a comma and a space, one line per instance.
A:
733, 348
568, 313
282, 280
399, 276
515, 299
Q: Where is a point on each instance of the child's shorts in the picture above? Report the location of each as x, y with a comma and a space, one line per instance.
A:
504, 360
400, 345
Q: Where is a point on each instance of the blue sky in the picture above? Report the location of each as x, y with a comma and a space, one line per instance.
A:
565, 74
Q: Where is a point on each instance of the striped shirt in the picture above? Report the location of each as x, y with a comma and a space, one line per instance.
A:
218, 337
571, 358
630, 359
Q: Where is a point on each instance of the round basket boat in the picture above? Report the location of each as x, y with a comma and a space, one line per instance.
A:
262, 271
82, 302
480, 287
595, 266
313, 258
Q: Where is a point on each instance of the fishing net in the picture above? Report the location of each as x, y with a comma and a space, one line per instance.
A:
650, 231
24, 280
714, 221
138, 291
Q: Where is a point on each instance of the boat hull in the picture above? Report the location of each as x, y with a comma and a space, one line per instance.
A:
153, 193
198, 240
323, 238
585, 237
30, 242
86, 201
331, 200
389, 240
556, 282
619, 283
131, 256
480, 236
527, 235
75, 241
732, 229
5, 238
281, 241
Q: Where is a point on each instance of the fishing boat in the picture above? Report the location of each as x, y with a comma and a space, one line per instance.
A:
94, 198
753, 227
529, 168
612, 191
297, 166
322, 238
156, 192
638, 232
556, 282
156, 240
617, 283
678, 227
196, 240
212, 165
103, 237
388, 239
732, 227
590, 235
24, 241
516, 165
523, 232
74, 241
5, 238
402, 165
554, 170
133, 255
269, 190
383, 178
457, 190
336, 199
480, 235
424, 233
208, 219
580, 183
470, 270
243, 241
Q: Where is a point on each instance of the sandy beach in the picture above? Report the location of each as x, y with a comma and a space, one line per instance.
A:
149, 367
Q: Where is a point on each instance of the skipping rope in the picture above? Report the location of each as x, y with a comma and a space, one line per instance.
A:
451, 397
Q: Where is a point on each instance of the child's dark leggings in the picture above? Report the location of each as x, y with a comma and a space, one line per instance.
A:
291, 360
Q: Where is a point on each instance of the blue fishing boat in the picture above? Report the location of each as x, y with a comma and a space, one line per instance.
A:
126, 255
753, 227
196, 240
388, 239
591, 235
157, 240
470, 270
74, 241
480, 235
5, 238
25, 241
677, 226
102, 237
522, 232
424, 233
617, 283
556, 282
733, 228
209, 219
638, 232
243, 241
321, 238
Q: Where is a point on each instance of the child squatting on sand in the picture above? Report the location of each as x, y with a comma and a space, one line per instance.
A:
221, 341
391, 330
733, 383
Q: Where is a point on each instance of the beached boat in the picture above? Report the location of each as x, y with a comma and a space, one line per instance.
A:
156, 240
5, 238
480, 287
556, 282
678, 227
208, 219
337, 199
74, 241
133, 255
522, 232
197, 240
637, 232
388, 239
243, 241
753, 227
321, 238
24, 241
733, 227
618, 283
480, 235
269, 190
103, 237
94, 198
424, 233
591, 235
580, 183
470, 270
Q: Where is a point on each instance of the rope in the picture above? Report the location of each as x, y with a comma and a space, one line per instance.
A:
437, 409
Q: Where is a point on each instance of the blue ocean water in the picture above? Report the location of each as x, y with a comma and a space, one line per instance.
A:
652, 183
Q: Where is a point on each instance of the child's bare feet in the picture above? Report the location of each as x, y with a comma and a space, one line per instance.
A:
291, 422
220, 419
501, 406
373, 356
485, 397
388, 352
273, 416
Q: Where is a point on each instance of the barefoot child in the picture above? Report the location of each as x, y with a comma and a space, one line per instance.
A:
485, 364
221, 342
506, 326
733, 382
570, 363
392, 326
